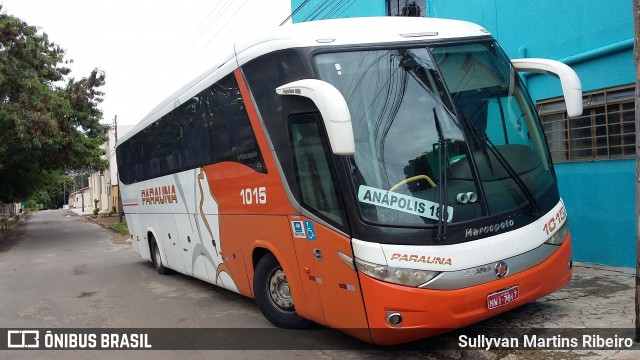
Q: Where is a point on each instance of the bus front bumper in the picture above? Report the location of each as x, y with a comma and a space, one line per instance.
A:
426, 312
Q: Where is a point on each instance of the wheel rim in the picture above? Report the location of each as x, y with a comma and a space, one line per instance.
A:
279, 290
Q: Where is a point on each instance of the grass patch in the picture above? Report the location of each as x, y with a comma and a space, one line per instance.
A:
120, 228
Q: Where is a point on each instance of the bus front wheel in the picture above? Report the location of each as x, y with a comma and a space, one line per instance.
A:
273, 295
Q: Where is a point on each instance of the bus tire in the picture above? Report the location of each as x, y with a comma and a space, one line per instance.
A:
273, 295
157, 259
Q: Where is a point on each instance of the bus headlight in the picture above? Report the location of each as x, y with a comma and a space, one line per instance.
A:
407, 277
559, 236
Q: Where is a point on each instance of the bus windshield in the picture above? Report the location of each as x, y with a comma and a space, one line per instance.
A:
442, 133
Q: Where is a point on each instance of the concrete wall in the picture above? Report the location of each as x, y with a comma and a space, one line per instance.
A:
323, 9
599, 197
77, 198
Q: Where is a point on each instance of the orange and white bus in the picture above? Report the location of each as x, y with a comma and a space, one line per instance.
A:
388, 177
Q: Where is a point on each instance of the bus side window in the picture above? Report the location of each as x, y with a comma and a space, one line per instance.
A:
173, 159
123, 160
314, 172
138, 172
231, 132
154, 168
197, 151
126, 161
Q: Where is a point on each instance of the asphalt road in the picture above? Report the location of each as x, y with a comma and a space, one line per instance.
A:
60, 270
64, 271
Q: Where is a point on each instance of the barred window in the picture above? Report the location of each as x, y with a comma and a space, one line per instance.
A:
407, 7
605, 130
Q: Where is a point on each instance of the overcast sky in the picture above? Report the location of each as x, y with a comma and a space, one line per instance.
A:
148, 48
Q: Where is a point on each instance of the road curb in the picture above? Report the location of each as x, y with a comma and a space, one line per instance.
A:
103, 225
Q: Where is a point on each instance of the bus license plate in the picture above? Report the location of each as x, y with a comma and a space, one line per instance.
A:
502, 297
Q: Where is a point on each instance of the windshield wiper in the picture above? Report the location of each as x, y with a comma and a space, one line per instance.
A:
485, 143
480, 141
442, 175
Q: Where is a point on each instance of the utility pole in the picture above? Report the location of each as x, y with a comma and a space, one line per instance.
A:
636, 58
115, 137
82, 187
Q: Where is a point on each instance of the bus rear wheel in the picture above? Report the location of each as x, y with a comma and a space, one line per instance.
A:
157, 259
273, 295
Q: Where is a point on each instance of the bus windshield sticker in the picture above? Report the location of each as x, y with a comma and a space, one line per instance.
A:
400, 202
338, 68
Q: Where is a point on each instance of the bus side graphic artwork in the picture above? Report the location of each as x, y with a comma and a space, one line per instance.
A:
209, 205
282, 175
207, 221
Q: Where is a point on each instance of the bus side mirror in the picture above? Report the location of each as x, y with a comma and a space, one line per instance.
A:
571, 87
333, 108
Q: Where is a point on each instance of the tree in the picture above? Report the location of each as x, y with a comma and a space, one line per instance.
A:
52, 196
49, 122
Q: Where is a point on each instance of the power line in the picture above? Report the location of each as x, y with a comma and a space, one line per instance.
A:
317, 10
223, 25
320, 8
294, 12
197, 32
346, 4
330, 11
224, 8
218, 16
346, 8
